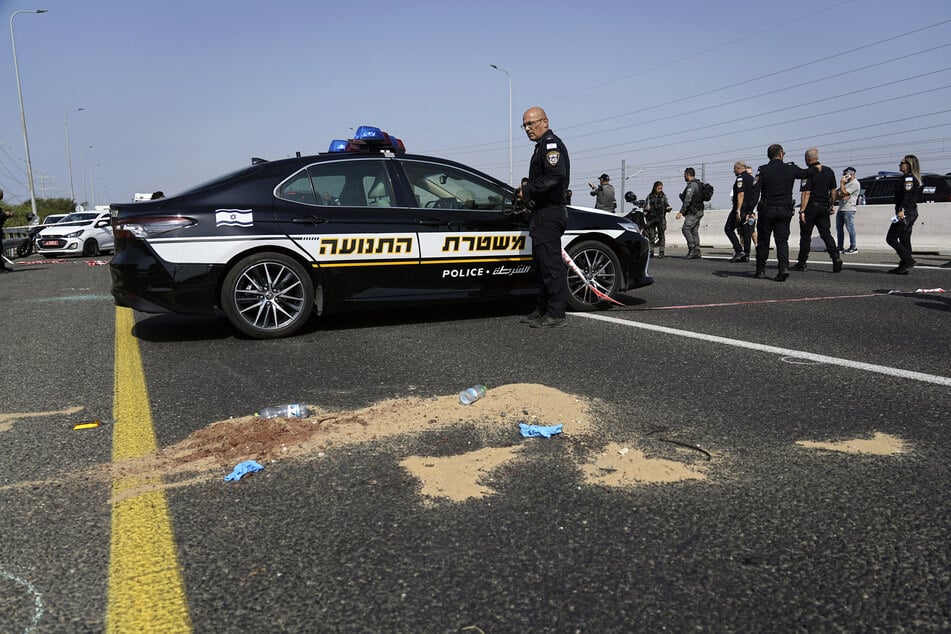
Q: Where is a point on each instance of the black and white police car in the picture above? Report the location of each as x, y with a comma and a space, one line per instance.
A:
362, 223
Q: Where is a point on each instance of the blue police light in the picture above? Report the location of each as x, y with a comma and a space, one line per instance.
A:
338, 145
369, 133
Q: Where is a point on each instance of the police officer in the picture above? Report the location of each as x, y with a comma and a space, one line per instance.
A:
906, 213
691, 211
815, 211
776, 180
544, 195
736, 219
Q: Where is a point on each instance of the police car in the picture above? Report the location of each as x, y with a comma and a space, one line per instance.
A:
364, 223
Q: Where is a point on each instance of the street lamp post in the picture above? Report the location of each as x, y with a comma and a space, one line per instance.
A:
26, 142
69, 160
510, 119
82, 173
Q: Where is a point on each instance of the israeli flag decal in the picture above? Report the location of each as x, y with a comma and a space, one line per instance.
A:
234, 218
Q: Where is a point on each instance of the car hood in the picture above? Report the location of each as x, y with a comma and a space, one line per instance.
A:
60, 229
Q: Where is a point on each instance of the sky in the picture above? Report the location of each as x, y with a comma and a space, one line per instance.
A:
177, 92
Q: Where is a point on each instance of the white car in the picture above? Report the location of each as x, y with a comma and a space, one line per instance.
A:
81, 233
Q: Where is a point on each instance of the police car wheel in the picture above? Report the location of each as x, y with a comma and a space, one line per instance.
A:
600, 266
267, 295
90, 248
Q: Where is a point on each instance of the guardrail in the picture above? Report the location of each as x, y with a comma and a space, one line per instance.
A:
12, 237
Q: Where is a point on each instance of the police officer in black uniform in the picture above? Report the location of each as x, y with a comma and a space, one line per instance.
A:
776, 180
906, 213
815, 211
544, 195
736, 219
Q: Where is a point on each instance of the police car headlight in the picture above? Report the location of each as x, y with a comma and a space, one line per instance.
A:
627, 225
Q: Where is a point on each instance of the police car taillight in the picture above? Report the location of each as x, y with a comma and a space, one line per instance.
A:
149, 227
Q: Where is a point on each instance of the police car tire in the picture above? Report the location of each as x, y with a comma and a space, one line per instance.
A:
592, 255
90, 248
263, 309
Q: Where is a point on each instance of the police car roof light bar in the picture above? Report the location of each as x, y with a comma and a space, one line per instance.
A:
369, 139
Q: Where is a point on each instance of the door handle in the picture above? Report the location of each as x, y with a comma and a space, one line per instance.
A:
309, 220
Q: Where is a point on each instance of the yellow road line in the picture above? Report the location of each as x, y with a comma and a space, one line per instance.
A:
146, 591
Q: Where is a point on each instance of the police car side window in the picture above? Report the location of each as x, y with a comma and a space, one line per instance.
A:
444, 187
359, 183
298, 189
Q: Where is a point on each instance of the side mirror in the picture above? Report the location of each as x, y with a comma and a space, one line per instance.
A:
102, 223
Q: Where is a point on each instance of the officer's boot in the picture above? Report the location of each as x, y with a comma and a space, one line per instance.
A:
836, 261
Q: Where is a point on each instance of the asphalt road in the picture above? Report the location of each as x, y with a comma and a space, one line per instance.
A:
777, 537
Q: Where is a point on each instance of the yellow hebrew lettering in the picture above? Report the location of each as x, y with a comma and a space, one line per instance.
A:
349, 245
450, 244
328, 243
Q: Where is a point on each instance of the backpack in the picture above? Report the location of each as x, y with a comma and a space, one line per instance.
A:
706, 191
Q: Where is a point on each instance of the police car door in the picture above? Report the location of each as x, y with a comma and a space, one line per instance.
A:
343, 214
468, 246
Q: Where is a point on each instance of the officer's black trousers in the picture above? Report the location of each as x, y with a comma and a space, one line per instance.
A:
730, 229
547, 226
774, 220
552, 275
899, 237
816, 217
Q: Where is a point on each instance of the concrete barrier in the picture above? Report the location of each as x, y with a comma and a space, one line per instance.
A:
932, 231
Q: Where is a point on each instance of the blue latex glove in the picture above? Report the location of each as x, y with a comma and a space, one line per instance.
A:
243, 468
548, 431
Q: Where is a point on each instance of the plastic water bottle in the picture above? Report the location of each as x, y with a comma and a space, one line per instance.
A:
294, 410
473, 394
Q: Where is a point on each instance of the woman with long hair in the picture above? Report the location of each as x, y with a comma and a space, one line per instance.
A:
655, 211
906, 213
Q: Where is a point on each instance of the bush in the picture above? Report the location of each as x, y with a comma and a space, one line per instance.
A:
44, 207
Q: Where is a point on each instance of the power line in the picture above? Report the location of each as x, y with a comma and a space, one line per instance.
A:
582, 153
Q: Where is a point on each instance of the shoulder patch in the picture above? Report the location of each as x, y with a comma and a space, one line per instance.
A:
804, 182
739, 182
909, 183
553, 157
551, 146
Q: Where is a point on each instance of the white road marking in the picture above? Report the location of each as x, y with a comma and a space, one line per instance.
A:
798, 354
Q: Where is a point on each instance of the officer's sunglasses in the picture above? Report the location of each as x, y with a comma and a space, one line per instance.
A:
529, 124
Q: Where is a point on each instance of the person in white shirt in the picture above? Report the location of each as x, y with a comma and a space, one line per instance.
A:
847, 195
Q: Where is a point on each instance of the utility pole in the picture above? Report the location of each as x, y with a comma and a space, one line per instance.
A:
623, 185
